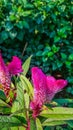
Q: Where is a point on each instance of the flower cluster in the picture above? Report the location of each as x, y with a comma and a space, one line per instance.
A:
45, 88
7, 71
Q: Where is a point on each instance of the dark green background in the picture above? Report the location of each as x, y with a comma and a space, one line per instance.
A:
43, 29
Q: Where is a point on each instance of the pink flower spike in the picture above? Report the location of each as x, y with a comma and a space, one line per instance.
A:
39, 82
15, 66
45, 88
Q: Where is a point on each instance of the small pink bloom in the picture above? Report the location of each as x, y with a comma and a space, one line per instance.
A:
54, 86
45, 88
15, 66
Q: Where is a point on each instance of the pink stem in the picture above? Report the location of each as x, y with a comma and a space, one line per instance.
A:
28, 125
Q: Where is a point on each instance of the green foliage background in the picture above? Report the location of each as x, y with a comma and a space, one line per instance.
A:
43, 29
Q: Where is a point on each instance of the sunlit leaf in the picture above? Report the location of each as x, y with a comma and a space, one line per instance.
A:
26, 65
19, 102
26, 85
38, 124
58, 113
26, 96
53, 123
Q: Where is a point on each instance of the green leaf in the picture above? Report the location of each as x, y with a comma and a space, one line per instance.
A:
56, 39
20, 24
8, 26
13, 34
24, 90
70, 123
5, 110
39, 53
5, 129
21, 128
50, 54
21, 118
26, 85
12, 17
3, 104
68, 64
19, 102
26, 96
15, 128
25, 24
7, 121
47, 128
2, 95
64, 56
20, 35
59, 63
4, 35
38, 124
23, 2
58, 113
26, 65
71, 57
55, 49
64, 101
53, 123
32, 125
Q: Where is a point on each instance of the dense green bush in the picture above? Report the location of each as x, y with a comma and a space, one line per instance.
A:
46, 28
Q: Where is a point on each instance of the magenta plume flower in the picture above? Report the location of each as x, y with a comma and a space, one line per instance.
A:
15, 66
45, 88
54, 86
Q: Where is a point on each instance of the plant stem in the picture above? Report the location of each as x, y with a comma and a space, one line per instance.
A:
28, 125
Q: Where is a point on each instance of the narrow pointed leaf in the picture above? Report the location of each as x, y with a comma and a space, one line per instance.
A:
38, 124
26, 96
26, 85
58, 113
26, 65
19, 102
53, 123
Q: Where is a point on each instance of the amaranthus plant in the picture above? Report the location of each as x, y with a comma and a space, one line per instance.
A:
28, 103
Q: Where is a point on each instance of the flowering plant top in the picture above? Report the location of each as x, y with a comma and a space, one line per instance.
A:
27, 101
